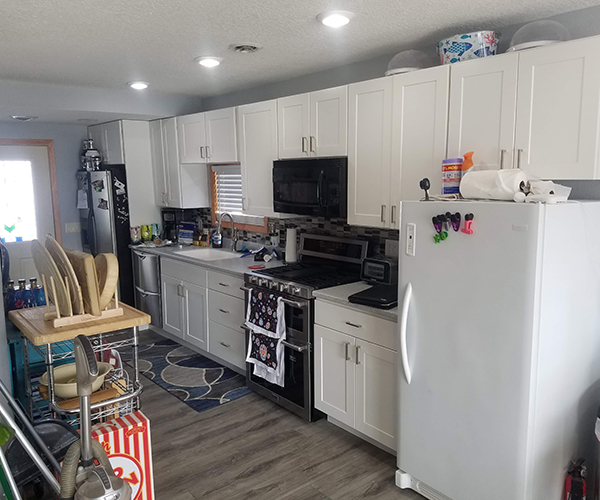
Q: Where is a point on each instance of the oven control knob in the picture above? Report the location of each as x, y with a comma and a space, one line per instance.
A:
284, 288
272, 285
262, 282
296, 291
253, 279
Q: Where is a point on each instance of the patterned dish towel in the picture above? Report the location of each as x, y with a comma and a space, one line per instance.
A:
265, 318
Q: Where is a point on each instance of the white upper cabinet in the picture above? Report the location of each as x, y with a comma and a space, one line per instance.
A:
191, 131
158, 164
329, 122
483, 97
257, 136
369, 152
221, 136
558, 110
172, 166
108, 139
294, 126
418, 134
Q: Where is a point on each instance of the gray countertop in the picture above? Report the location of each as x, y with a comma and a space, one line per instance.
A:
236, 266
339, 295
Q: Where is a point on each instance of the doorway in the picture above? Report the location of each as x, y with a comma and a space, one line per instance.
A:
28, 200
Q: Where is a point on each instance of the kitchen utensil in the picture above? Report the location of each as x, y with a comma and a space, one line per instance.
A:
65, 380
537, 34
135, 233
107, 270
85, 269
468, 46
55, 288
67, 271
408, 60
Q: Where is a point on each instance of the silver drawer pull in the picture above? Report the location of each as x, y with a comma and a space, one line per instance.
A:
357, 355
224, 311
224, 344
223, 284
346, 347
353, 325
298, 348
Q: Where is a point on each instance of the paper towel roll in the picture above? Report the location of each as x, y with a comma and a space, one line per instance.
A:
492, 184
291, 254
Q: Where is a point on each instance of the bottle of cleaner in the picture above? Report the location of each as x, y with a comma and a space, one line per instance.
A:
467, 164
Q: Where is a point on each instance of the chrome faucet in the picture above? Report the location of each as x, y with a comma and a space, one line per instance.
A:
234, 232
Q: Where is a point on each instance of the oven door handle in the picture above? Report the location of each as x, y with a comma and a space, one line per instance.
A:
297, 348
289, 302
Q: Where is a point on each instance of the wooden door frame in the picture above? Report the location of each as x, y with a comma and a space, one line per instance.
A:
49, 144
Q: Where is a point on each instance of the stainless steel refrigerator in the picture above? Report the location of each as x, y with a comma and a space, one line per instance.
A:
104, 211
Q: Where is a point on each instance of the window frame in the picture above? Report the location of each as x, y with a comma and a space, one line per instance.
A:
214, 206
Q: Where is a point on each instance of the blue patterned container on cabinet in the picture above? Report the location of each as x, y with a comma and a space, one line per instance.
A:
468, 46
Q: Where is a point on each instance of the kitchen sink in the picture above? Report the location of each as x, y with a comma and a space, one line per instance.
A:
208, 254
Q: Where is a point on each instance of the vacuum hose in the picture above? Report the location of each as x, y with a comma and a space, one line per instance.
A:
71, 462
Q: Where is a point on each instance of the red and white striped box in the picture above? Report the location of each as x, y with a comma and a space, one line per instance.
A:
127, 443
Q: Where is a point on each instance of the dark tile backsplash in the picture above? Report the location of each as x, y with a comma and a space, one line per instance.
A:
317, 225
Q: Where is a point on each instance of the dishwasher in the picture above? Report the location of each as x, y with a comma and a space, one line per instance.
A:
146, 275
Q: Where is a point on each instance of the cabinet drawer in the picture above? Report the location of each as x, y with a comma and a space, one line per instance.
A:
185, 272
355, 323
226, 284
225, 309
227, 344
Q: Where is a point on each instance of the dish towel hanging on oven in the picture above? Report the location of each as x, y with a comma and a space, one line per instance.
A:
265, 318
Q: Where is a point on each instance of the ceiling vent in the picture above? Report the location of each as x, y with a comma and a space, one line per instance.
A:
245, 48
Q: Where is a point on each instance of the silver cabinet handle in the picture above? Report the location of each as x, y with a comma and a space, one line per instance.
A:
519, 154
313, 141
304, 145
357, 355
243, 203
224, 344
223, 284
201, 151
347, 347
353, 324
208, 151
393, 214
180, 290
502, 153
382, 213
297, 348
224, 311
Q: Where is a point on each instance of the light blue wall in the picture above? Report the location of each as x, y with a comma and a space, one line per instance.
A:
68, 140
580, 23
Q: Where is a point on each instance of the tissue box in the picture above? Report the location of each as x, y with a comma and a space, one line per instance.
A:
127, 443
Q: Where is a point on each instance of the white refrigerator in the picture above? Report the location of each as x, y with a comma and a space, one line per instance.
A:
499, 358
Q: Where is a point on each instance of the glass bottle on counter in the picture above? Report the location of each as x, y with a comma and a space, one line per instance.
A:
30, 301
20, 292
39, 296
9, 296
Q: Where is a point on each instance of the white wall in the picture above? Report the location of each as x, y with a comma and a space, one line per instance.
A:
68, 141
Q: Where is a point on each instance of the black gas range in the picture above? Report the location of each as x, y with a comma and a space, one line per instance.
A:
323, 262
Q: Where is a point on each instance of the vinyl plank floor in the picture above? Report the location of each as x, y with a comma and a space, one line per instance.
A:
251, 448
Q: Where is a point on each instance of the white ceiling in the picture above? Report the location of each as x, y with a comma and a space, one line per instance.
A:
106, 43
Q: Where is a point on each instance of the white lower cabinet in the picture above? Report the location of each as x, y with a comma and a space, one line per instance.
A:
355, 383
173, 312
195, 315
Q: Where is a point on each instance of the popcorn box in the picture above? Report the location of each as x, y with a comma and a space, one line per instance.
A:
127, 442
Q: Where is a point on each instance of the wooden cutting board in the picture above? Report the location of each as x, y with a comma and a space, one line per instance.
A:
85, 269
107, 269
47, 267
66, 271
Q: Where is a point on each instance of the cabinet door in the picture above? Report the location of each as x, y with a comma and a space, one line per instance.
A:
195, 300
334, 374
376, 396
329, 122
113, 143
418, 134
257, 133
293, 126
483, 97
191, 133
172, 167
173, 306
158, 164
558, 110
96, 134
221, 145
369, 152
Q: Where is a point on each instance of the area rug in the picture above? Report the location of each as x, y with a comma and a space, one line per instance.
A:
199, 382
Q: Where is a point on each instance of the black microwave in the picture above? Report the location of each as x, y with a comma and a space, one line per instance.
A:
311, 186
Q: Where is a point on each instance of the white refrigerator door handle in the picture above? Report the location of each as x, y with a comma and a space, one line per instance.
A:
403, 324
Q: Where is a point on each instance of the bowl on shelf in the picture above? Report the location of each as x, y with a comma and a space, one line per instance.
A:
468, 46
65, 379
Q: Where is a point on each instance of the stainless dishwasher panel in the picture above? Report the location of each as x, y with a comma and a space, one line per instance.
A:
146, 271
150, 303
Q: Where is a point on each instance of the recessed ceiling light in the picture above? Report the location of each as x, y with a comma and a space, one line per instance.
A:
209, 61
24, 118
335, 18
138, 85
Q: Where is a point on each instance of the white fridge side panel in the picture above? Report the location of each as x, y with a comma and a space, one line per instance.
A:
568, 374
464, 418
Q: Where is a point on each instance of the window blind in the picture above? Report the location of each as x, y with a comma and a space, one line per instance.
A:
229, 193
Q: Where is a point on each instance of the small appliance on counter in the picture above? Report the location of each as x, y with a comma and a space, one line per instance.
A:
383, 274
